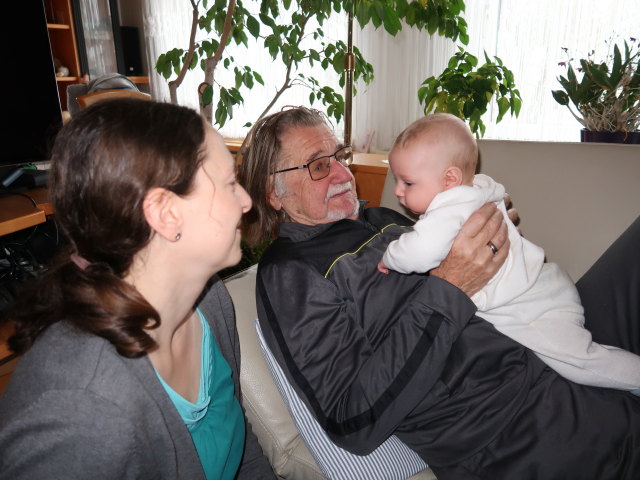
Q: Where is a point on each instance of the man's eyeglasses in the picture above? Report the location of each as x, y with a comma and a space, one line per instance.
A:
320, 167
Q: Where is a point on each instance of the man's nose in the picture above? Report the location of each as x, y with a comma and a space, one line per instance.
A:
339, 173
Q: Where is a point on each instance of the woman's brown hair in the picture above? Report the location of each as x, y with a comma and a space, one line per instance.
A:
104, 161
261, 155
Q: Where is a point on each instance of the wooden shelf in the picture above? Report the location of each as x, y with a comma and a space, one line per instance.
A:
8, 361
66, 79
370, 172
58, 26
17, 212
139, 79
64, 48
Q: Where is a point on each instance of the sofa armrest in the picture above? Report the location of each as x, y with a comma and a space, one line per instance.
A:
267, 413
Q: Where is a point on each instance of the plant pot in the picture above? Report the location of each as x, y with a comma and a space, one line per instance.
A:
610, 137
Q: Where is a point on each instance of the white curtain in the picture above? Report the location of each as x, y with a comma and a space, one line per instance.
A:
166, 25
528, 36
400, 63
98, 37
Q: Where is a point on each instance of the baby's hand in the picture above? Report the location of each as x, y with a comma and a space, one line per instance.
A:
382, 268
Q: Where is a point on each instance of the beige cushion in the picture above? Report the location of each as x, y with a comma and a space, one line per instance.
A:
265, 409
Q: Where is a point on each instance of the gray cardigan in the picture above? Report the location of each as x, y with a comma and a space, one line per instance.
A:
75, 408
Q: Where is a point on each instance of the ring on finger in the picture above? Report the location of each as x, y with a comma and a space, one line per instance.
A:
493, 248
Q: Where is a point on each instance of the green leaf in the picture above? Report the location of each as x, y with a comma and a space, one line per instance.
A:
391, 21
220, 114
401, 7
503, 107
599, 76
453, 62
236, 95
422, 92
432, 23
410, 17
516, 104
338, 62
207, 95
314, 55
378, 7
248, 80
561, 97
272, 44
453, 108
362, 14
258, 78
253, 26
268, 21
616, 70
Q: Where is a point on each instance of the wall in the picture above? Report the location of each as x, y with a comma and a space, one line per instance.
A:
574, 199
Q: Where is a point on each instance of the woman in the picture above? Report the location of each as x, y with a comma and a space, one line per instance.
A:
122, 377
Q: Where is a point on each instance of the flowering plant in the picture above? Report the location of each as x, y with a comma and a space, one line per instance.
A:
607, 96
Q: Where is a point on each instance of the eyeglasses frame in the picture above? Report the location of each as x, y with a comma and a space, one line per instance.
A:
306, 165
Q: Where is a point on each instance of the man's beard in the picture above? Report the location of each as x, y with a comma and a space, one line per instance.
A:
333, 190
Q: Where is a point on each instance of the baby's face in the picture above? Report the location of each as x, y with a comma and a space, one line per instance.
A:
419, 172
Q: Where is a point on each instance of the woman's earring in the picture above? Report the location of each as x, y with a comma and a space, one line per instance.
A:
178, 236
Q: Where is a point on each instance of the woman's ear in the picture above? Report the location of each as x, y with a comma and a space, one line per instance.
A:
452, 177
162, 212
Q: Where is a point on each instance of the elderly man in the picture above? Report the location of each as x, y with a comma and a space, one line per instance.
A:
374, 355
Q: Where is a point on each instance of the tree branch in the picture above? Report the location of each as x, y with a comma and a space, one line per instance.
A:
212, 62
287, 82
174, 84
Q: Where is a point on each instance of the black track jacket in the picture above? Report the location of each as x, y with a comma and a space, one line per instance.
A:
374, 355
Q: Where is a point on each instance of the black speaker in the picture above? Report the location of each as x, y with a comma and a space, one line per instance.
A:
132, 58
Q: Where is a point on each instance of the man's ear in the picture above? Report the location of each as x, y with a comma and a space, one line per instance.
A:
162, 212
452, 177
274, 200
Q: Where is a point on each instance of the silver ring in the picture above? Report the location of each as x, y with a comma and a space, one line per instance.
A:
493, 248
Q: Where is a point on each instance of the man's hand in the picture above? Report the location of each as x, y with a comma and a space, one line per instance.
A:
471, 263
512, 212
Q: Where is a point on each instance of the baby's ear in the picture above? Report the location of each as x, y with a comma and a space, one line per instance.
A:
452, 177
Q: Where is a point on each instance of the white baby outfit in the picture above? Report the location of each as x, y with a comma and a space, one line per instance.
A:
533, 302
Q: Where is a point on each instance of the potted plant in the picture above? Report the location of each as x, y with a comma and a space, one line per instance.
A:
467, 93
605, 95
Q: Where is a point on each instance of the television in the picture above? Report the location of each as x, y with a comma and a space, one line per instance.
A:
32, 104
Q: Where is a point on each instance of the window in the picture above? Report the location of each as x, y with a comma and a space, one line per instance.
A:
527, 36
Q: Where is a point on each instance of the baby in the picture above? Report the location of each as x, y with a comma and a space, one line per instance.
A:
533, 302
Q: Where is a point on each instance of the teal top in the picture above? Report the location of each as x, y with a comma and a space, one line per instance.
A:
215, 421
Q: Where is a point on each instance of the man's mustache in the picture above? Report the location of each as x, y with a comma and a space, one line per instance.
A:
337, 189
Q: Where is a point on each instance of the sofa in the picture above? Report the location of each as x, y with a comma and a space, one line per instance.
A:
561, 192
